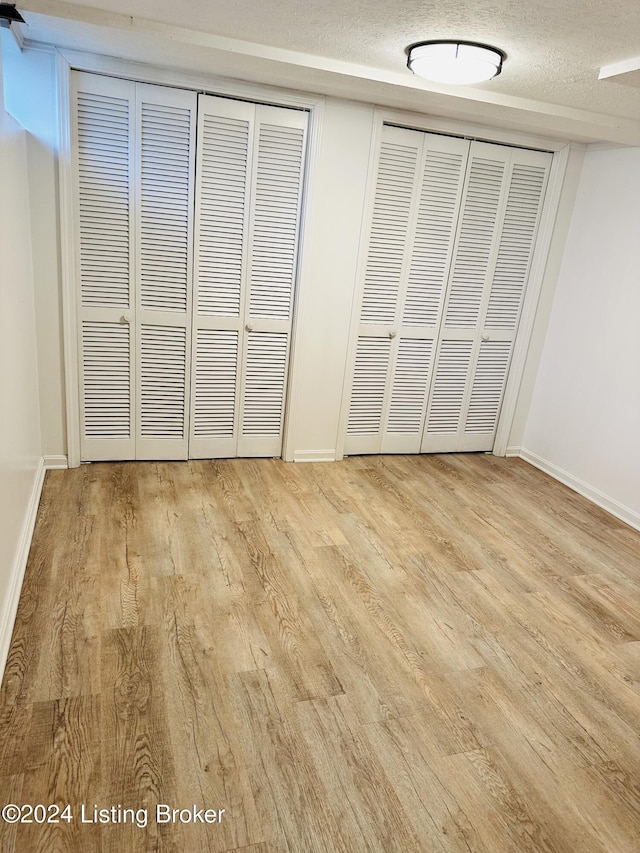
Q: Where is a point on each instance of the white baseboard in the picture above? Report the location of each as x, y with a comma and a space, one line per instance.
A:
52, 462
624, 513
314, 455
10, 608
513, 450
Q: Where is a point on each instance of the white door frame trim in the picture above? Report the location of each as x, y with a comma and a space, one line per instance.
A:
68, 60
69, 241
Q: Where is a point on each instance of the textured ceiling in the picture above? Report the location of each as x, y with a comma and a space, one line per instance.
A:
555, 48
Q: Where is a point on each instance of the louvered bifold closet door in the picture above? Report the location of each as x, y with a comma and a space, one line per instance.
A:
248, 195
501, 208
133, 149
416, 204
103, 118
165, 160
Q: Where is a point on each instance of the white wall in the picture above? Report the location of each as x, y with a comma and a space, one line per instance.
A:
330, 255
545, 302
327, 276
584, 419
20, 445
31, 98
327, 280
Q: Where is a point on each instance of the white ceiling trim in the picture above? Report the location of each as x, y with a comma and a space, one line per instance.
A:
626, 72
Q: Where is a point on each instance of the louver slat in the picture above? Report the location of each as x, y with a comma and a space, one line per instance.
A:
369, 383
389, 232
410, 386
475, 242
435, 229
162, 385
487, 387
216, 376
103, 199
164, 206
264, 384
106, 361
223, 163
275, 221
449, 385
516, 246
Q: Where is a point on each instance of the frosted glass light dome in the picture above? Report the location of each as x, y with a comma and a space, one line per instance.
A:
456, 62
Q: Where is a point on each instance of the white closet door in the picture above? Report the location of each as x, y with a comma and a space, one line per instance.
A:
165, 159
501, 208
249, 185
223, 173
134, 159
102, 126
416, 205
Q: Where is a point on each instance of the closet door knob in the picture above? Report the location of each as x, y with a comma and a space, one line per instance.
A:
249, 327
485, 337
392, 333
124, 320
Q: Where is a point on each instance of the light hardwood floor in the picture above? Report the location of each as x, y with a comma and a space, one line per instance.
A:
429, 654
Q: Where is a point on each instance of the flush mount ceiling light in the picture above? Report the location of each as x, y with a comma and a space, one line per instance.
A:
459, 62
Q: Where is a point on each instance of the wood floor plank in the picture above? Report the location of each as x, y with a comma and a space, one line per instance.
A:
283, 615
363, 669
286, 785
22, 676
208, 761
355, 790
544, 724
503, 816
16, 747
429, 653
72, 767
10, 792
436, 817
138, 770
